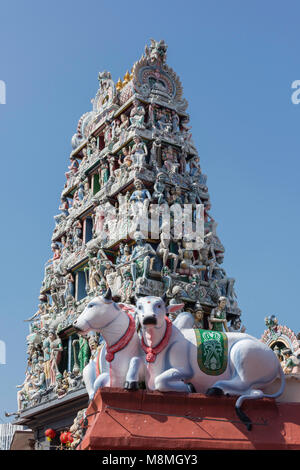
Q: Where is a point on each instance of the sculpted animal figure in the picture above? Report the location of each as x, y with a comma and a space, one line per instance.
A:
119, 363
172, 358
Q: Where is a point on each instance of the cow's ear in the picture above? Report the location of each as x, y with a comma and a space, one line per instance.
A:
174, 307
127, 307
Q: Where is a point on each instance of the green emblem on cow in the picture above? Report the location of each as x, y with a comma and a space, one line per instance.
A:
212, 351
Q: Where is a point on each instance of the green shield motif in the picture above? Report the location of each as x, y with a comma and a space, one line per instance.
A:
212, 351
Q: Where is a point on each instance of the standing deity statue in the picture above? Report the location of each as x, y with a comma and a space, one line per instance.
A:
46, 354
56, 349
199, 316
140, 258
159, 188
217, 320
123, 127
155, 154
163, 250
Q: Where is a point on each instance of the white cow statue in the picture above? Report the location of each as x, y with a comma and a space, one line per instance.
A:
173, 358
119, 362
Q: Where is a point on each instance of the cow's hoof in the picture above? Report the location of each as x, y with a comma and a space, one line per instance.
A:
131, 385
191, 388
214, 391
244, 418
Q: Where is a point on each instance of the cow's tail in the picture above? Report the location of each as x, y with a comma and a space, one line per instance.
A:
254, 394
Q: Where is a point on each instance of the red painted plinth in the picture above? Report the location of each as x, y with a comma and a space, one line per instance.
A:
119, 420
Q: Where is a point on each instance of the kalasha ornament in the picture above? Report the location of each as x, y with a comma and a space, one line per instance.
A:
50, 434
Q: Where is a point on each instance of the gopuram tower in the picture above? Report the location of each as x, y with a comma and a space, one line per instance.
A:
133, 151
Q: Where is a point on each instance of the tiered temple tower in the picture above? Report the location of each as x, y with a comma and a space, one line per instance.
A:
133, 149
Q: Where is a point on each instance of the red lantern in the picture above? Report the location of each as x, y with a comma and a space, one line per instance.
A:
70, 438
50, 434
64, 437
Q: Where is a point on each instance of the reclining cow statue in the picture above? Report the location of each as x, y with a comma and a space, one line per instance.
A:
205, 361
172, 356
118, 363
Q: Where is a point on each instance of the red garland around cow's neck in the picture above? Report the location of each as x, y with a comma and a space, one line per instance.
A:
123, 341
151, 353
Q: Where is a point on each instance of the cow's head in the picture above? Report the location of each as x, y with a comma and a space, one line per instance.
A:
96, 315
151, 311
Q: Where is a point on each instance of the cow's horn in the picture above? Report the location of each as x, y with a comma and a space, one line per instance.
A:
107, 294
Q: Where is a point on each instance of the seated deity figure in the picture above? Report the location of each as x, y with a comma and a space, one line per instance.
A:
126, 157
224, 284
139, 152
290, 362
217, 319
163, 121
73, 167
137, 115
163, 250
195, 170
140, 194
64, 208
170, 160
56, 255
186, 255
140, 258
207, 256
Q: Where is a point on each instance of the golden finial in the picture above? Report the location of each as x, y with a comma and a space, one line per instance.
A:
126, 78
119, 85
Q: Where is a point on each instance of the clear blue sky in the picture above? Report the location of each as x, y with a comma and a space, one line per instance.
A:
236, 60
